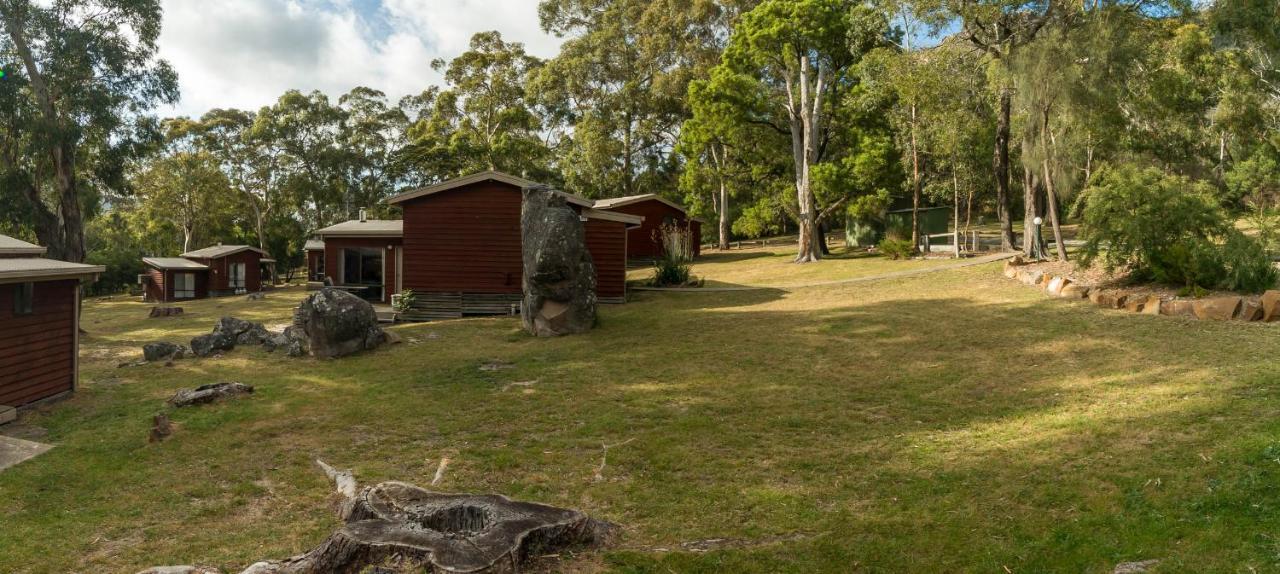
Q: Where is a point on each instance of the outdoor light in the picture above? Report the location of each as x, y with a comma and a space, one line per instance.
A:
1036, 252
1038, 221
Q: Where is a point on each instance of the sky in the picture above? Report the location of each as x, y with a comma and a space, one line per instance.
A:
246, 53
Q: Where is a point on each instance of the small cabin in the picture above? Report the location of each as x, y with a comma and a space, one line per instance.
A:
233, 269
461, 250
363, 257
645, 240
169, 279
40, 313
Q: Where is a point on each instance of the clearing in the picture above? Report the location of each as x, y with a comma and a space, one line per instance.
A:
953, 422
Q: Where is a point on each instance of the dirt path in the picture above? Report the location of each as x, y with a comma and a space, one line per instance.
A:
867, 279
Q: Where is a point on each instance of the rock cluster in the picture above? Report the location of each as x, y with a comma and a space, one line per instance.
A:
559, 275
1221, 308
336, 324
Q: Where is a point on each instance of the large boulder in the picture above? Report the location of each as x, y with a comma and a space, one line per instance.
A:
336, 324
559, 276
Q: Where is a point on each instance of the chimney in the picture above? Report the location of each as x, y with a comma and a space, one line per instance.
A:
363, 215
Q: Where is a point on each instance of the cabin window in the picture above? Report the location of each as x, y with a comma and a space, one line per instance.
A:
362, 267
24, 295
184, 285
237, 277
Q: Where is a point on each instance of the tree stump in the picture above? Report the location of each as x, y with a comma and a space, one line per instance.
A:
404, 528
209, 393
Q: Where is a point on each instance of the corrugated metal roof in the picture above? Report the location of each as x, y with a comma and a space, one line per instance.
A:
11, 246
30, 268
630, 199
222, 251
369, 228
174, 263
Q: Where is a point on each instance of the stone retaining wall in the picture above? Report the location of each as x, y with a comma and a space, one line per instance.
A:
1220, 308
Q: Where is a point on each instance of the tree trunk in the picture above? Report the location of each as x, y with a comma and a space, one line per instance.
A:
955, 230
1000, 165
1052, 198
804, 142
1029, 211
915, 183
724, 216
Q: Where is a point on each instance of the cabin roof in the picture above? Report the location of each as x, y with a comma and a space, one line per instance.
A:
627, 218
314, 245
12, 246
367, 228
36, 268
174, 263
218, 251
483, 176
616, 202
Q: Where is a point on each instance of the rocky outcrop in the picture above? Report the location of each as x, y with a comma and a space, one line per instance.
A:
559, 276
225, 336
337, 324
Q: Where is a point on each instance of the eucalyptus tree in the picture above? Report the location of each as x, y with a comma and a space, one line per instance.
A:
371, 132
82, 72
249, 163
800, 57
303, 132
184, 185
484, 118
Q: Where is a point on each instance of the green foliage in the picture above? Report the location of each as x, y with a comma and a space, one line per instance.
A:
1249, 268
404, 303
675, 265
1255, 181
897, 249
761, 219
1169, 229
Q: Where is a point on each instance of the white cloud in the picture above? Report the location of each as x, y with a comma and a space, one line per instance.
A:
245, 53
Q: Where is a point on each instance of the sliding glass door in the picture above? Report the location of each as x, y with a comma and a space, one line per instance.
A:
362, 267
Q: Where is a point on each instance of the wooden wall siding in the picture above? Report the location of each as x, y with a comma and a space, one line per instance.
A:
644, 241
607, 241
333, 247
220, 271
37, 351
154, 289
464, 240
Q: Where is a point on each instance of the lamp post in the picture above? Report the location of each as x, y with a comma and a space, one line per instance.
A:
1037, 250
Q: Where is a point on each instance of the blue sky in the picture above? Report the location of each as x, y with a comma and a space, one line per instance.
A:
245, 53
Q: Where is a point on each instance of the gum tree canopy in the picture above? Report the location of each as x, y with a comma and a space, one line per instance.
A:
78, 74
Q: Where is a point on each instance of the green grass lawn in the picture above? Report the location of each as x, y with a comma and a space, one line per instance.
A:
772, 266
955, 422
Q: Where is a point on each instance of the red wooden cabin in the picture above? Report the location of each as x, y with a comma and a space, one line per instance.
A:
645, 241
315, 259
39, 323
364, 256
233, 269
462, 245
169, 279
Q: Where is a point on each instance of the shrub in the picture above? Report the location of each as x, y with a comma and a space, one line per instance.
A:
1160, 226
1249, 268
674, 266
1168, 229
405, 301
897, 249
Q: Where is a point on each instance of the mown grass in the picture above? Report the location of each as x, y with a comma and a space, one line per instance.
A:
772, 266
955, 422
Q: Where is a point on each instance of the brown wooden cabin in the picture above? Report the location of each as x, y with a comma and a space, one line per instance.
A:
233, 269
364, 257
314, 249
39, 323
645, 241
462, 245
169, 279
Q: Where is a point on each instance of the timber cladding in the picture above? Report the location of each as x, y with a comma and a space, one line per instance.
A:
220, 271
468, 240
644, 242
159, 287
37, 351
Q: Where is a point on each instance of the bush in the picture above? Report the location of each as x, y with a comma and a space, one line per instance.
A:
1168, 229
897, 249
674, 266
404, 303
1249, 268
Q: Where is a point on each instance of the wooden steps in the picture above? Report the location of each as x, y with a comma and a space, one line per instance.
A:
439, 306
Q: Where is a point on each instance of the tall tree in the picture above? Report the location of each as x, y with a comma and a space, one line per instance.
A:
185, 186
250, 164
801, 55
84, 69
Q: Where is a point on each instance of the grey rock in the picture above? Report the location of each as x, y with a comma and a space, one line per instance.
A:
1135, 567
229, 332
336, 324
211, 344
559, 275
255, 335
154, 352
181, 570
